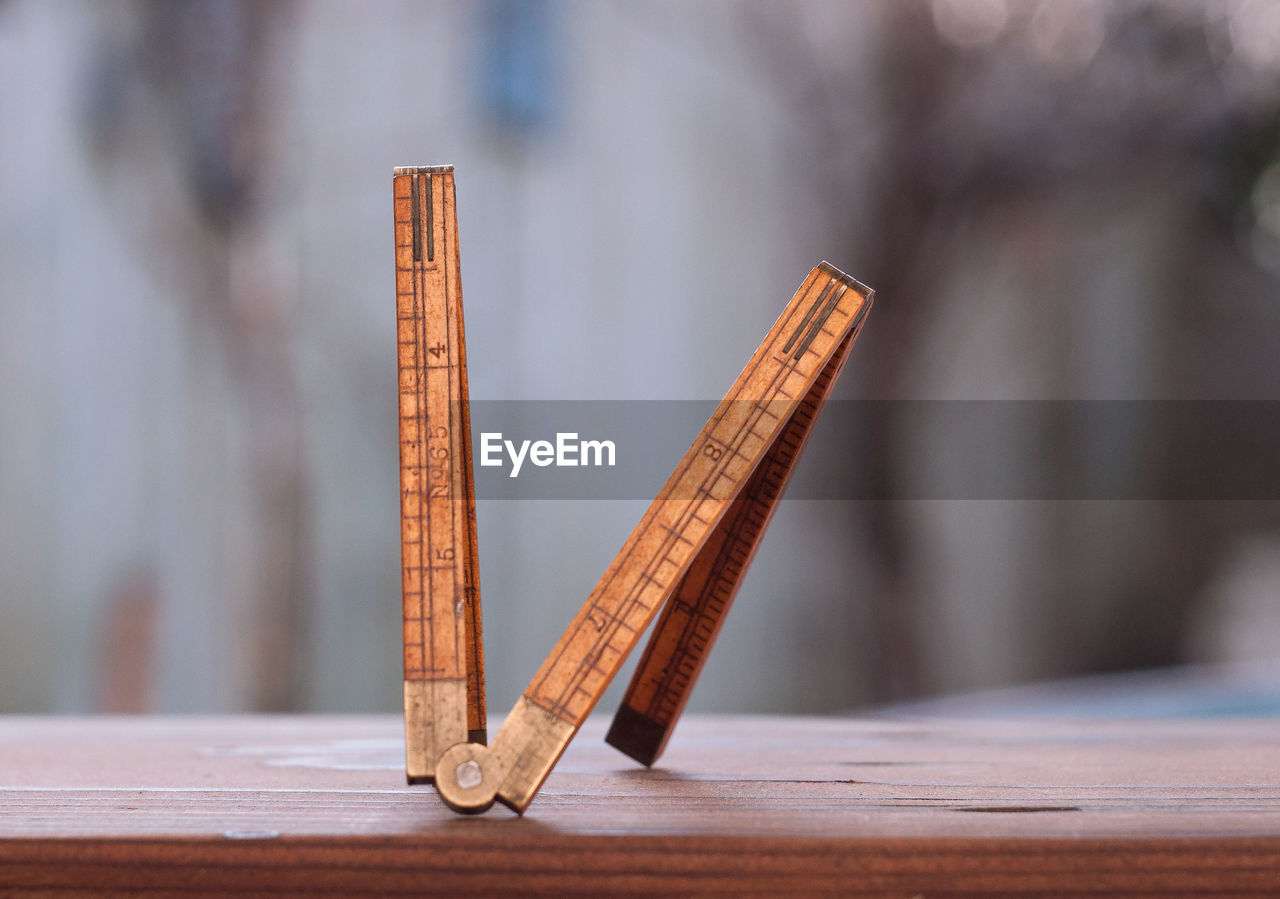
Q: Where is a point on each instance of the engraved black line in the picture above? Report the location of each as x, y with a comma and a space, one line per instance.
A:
795, 335
417, 219
819, 322
431, 231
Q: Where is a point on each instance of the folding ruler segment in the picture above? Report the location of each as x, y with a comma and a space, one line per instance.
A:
817, 326
443, 653
691, 619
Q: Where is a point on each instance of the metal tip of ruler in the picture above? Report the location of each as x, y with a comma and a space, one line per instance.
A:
421, 170
847, 279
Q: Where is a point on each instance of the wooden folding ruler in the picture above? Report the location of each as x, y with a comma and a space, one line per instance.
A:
685, 558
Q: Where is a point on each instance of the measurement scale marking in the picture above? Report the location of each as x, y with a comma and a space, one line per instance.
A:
425, 570
746, 428
725, 553
682, 468
676, 651
439, 590
427, 651
424, 507
630, 601
768, 478
740, 514
634, 598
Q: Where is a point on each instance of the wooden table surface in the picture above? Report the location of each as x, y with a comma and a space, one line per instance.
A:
765, 805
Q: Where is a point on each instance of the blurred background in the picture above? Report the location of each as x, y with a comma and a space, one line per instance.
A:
1055, 200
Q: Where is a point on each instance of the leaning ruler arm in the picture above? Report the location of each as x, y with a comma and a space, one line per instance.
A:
691, 619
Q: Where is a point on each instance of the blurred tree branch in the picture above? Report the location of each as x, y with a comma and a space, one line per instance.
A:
994, 111
186, 92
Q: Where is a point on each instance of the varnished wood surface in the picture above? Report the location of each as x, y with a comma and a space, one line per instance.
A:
744, 805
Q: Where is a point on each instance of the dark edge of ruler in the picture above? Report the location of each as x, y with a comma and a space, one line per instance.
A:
636, 735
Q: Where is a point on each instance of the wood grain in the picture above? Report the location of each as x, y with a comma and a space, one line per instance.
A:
744, 805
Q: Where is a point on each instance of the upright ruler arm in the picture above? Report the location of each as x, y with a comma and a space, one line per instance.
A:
443, 656
817, 326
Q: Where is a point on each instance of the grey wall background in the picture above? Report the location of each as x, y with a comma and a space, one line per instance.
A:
1065, 200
